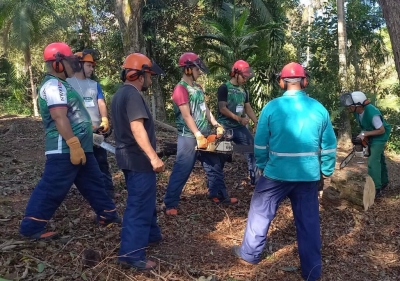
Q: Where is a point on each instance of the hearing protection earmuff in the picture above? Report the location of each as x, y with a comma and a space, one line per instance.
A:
130, 74
58, 66
188, 70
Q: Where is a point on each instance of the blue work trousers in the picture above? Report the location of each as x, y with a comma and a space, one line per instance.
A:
58, 176
242, 136
268, 194
101, 156
139, 225
186, 156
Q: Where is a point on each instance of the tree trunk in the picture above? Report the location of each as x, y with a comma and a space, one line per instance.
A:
28, 67
391, 12
160, 113
129, 14
345, 128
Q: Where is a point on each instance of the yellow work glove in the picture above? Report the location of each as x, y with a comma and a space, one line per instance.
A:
105, 124
76, 152
201, 140
220, 130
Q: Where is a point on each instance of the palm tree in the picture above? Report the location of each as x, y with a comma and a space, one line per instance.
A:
25, 23
234, 34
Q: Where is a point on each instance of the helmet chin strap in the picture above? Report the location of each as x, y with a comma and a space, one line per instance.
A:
65, 69
144, 88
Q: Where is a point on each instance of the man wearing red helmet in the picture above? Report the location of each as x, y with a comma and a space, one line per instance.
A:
136, 156
192, 120
234, 107
93, 98
294, 144
69, 148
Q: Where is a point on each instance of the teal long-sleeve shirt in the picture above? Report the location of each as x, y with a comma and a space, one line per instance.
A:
295, 140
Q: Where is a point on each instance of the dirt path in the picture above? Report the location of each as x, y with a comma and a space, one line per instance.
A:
356, 245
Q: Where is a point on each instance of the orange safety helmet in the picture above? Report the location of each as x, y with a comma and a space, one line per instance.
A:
293, 72
137, 64
243, 68
88, 55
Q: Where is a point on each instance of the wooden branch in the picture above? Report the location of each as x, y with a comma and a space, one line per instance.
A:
165, 126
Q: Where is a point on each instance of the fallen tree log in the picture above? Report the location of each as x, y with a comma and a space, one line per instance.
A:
167, 149
165, 126
353, 182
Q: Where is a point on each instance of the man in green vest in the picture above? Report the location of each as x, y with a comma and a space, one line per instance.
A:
375, 128
234, 110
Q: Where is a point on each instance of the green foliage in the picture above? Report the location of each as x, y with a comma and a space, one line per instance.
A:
393, 118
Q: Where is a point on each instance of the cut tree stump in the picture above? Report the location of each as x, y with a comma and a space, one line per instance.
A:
351, 180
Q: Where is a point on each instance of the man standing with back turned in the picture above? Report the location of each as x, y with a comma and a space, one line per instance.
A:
294, 146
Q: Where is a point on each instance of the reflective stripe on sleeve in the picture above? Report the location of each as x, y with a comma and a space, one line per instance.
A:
301, 154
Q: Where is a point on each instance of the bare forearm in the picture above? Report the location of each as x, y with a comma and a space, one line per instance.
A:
210, 117
191, 124
102, 108
376, 132
250, 112
226, 112
141, 137
64, 127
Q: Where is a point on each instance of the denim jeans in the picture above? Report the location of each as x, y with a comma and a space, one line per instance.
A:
58, 176
139, 225
186, 156
101, 156
268, 195
242, 136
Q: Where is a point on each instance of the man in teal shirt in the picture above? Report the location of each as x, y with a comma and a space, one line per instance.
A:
294, 144
375, 128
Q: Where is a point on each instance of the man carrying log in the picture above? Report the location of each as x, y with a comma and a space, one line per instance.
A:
376, 129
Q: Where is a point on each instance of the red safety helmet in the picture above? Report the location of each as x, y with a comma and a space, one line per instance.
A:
243, 68
293, 72
53, 50
189, 60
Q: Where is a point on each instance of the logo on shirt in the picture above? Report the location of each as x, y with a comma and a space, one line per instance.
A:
60, 91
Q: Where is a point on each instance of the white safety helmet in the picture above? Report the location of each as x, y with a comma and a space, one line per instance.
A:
356, 98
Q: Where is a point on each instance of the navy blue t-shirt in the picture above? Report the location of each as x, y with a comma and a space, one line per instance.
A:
128, 105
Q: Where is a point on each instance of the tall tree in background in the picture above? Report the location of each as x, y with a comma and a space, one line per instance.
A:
25, 23
391, 12
130, 19
345, 128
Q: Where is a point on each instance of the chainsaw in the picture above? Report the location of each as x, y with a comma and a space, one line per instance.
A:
98, 139
223, 144
360, 148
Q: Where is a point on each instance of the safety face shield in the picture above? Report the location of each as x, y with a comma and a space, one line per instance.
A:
247, 73
154, 69
346, 100
74, 62
200, 64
